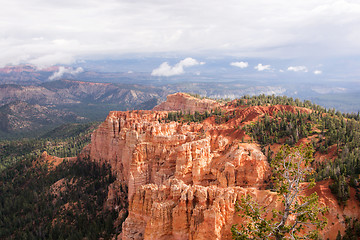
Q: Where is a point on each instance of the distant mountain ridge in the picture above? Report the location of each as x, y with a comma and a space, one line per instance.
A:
70, 91
30, 108
213, 83
94, 94
22, 117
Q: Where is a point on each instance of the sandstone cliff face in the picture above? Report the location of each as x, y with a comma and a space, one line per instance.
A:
184, 179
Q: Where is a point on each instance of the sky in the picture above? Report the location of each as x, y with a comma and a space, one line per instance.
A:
63, 32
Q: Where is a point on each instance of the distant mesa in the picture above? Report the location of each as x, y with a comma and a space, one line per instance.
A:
186, 103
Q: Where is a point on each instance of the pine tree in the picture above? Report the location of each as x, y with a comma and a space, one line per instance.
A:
300, 213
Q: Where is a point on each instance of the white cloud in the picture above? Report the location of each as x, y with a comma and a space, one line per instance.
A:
188, 62
63, 70
83, 29
261, 67
165, 70
240, 64
297, 68
317, 72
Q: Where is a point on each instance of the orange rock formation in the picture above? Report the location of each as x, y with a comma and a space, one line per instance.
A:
184, 179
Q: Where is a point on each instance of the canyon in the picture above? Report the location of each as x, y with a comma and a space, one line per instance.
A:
182, 179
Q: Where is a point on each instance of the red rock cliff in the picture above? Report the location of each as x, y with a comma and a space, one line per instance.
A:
184, 179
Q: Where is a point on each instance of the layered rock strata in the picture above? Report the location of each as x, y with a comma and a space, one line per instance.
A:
183, 179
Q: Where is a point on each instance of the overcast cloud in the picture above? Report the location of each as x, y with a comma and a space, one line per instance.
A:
46, 32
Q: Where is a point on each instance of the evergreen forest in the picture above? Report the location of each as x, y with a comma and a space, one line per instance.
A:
41, 201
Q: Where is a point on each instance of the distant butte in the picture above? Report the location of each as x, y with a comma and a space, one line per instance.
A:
186, 103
